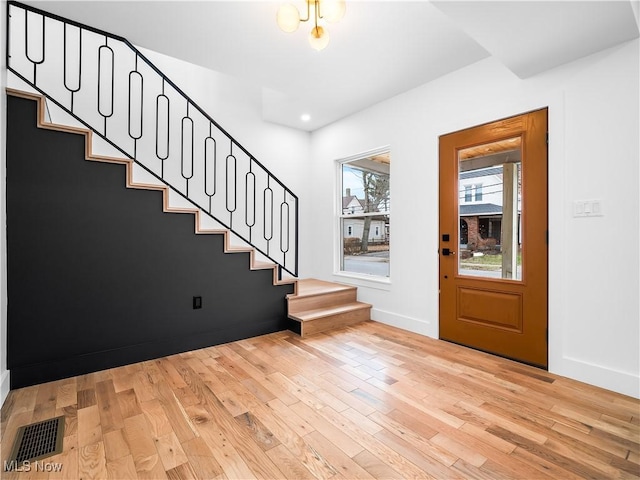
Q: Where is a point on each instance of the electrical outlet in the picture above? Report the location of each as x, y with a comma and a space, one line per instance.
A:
197, 303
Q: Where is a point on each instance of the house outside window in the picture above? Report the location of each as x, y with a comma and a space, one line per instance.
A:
364, 219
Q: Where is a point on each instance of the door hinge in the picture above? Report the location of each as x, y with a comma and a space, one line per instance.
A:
546, 237
547, 138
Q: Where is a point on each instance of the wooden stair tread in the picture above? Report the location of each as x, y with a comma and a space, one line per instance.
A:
310, 287
310, 315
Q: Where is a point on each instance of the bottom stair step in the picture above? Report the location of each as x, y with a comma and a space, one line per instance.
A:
329, 318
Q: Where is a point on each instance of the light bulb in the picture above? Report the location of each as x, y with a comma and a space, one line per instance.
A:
333, 10
318, 38
288, 18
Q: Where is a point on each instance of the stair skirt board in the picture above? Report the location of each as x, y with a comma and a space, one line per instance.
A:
99, 277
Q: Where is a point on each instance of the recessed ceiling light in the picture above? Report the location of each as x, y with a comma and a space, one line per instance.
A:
305, 117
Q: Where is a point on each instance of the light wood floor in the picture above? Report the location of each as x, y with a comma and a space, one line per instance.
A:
369, 401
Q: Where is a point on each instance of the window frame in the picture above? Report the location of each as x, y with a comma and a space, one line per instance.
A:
340, 216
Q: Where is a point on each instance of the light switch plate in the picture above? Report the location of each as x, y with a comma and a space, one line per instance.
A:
587, 208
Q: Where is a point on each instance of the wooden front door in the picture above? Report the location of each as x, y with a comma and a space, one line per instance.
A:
493, 237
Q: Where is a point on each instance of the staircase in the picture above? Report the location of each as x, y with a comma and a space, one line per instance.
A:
315, 306
319, 306
101, 87
106, 85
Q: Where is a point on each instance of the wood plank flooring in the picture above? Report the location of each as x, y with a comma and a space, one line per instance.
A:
367, 401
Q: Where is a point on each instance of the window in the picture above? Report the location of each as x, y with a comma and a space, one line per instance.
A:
364, 231
478, 196
467, 193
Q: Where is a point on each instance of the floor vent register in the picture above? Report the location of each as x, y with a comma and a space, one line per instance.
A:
37, 441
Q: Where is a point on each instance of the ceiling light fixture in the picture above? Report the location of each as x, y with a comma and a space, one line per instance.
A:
288, 19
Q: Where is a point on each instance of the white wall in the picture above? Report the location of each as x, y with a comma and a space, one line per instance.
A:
593, 154
236, 106
4, 373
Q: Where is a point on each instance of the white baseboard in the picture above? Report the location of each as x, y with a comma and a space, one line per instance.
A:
4, 386
614, 380
411, 324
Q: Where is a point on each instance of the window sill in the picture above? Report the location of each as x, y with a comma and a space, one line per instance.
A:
360, 280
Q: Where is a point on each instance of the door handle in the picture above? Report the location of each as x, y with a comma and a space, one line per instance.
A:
446, 252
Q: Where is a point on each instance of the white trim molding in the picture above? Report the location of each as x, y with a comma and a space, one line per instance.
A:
626, 383
401, 321
5, 382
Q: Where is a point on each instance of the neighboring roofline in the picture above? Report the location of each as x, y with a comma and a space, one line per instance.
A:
477, 209
349, 199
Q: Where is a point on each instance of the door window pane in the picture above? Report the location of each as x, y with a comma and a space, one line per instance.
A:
490, 228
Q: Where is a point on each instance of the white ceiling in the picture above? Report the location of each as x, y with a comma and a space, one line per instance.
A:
379, 49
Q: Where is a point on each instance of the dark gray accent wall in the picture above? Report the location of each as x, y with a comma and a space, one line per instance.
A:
99, 276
